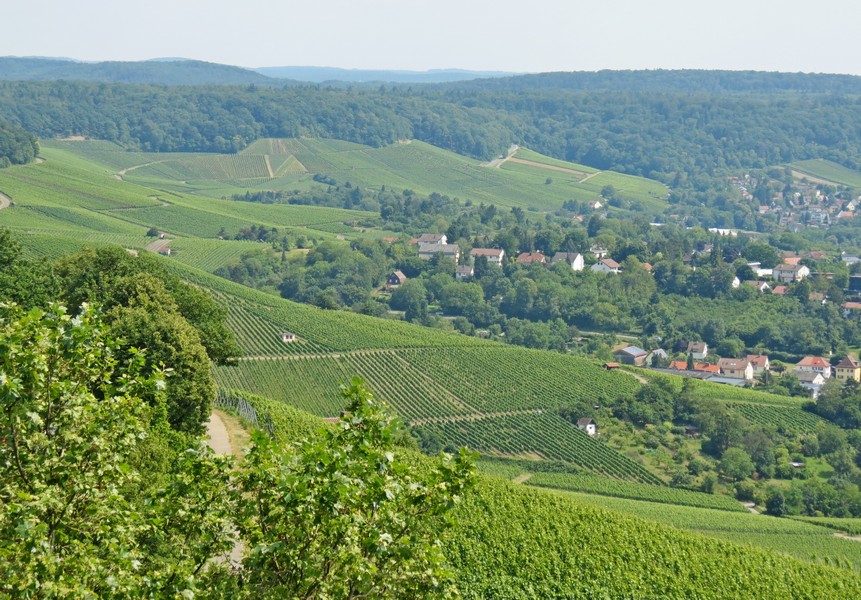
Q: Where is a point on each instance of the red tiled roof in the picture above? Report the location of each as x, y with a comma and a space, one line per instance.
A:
610, 263
780, 290
758, 360
486, 252
813, 361
707, 368
848, 363
531, 257
852, 305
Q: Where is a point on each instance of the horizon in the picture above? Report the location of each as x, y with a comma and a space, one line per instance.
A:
420, 35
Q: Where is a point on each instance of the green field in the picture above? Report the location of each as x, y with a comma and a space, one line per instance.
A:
415, 165
830, 171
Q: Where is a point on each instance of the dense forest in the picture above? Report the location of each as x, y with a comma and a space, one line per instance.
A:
17, 146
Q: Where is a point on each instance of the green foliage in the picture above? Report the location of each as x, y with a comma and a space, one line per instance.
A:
342, 516
72, 521
17, 146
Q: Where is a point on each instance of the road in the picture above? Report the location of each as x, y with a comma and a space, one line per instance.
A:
497, 162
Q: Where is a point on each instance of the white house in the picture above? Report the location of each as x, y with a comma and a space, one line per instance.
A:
464, 272
494, 255
606, 265
813, 364
288, 337
786, 273
588, 425
699, 350
760, 363
575, 259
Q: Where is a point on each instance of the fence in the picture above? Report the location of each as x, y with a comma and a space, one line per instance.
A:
238, 404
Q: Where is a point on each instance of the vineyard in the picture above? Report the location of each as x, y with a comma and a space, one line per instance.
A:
512, 541
539, 436
782, 418
590, 484
789, 536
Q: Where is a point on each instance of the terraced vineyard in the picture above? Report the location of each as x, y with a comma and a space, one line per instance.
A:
590, 484
539, 436
784, 418
788, 536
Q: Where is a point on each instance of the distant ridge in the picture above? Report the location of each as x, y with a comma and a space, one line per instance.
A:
172, 71
324, 74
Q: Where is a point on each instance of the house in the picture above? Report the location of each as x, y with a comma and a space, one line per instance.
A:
851, 309
813, 364
164, 251
678, 365
779, 290
595, 204
681, 365
440, 239
759, 362
494, 255
598, 251
699, 350
575, 259
787, 273
736, 368
812, 382
288, 337
463, 272
606, 265
631, 355
394, 280
428, 251
528, 258
847, 369
759, 286
588, 425
657, 355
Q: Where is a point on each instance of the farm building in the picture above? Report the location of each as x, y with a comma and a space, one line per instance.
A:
164, 251
631, 355
396, 279
288, 337
588, 425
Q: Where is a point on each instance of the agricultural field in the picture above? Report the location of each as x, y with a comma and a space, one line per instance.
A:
829, 171
788, 536
602, 486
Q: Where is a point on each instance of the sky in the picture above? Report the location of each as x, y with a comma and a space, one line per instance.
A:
502, 35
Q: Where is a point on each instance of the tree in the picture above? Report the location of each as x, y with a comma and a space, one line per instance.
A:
411, 297
77, 517
347, 516
736, 464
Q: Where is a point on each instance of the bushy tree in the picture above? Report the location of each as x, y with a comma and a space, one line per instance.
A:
345, 516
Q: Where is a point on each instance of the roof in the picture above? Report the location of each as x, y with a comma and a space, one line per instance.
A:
791, 260
697, 346
530, 257
706, 368
809, 377
758, 360
430, 238
852, 305
487, 252
813, 361
780, 290
566, 256
679, 364
789, 268
848, 363
609, 262
727, 381
399, 275
583, 421
733, 364
464, 269
439, 248
632, 351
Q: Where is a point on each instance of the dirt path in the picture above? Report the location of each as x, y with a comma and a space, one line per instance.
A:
268, 166
476, 416
639, 378
218, 439
539, 165
497, 162
4, 201
854, 538
750, 506
119, 175
522, 478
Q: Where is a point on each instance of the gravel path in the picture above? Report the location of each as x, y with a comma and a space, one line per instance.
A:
218, 439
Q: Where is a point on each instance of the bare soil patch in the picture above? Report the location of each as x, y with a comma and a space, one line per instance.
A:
539, 165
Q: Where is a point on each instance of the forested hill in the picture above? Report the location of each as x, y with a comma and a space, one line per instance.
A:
669, 81
170, 72
17, 146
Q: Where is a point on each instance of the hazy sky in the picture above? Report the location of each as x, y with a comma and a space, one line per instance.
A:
527, 35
